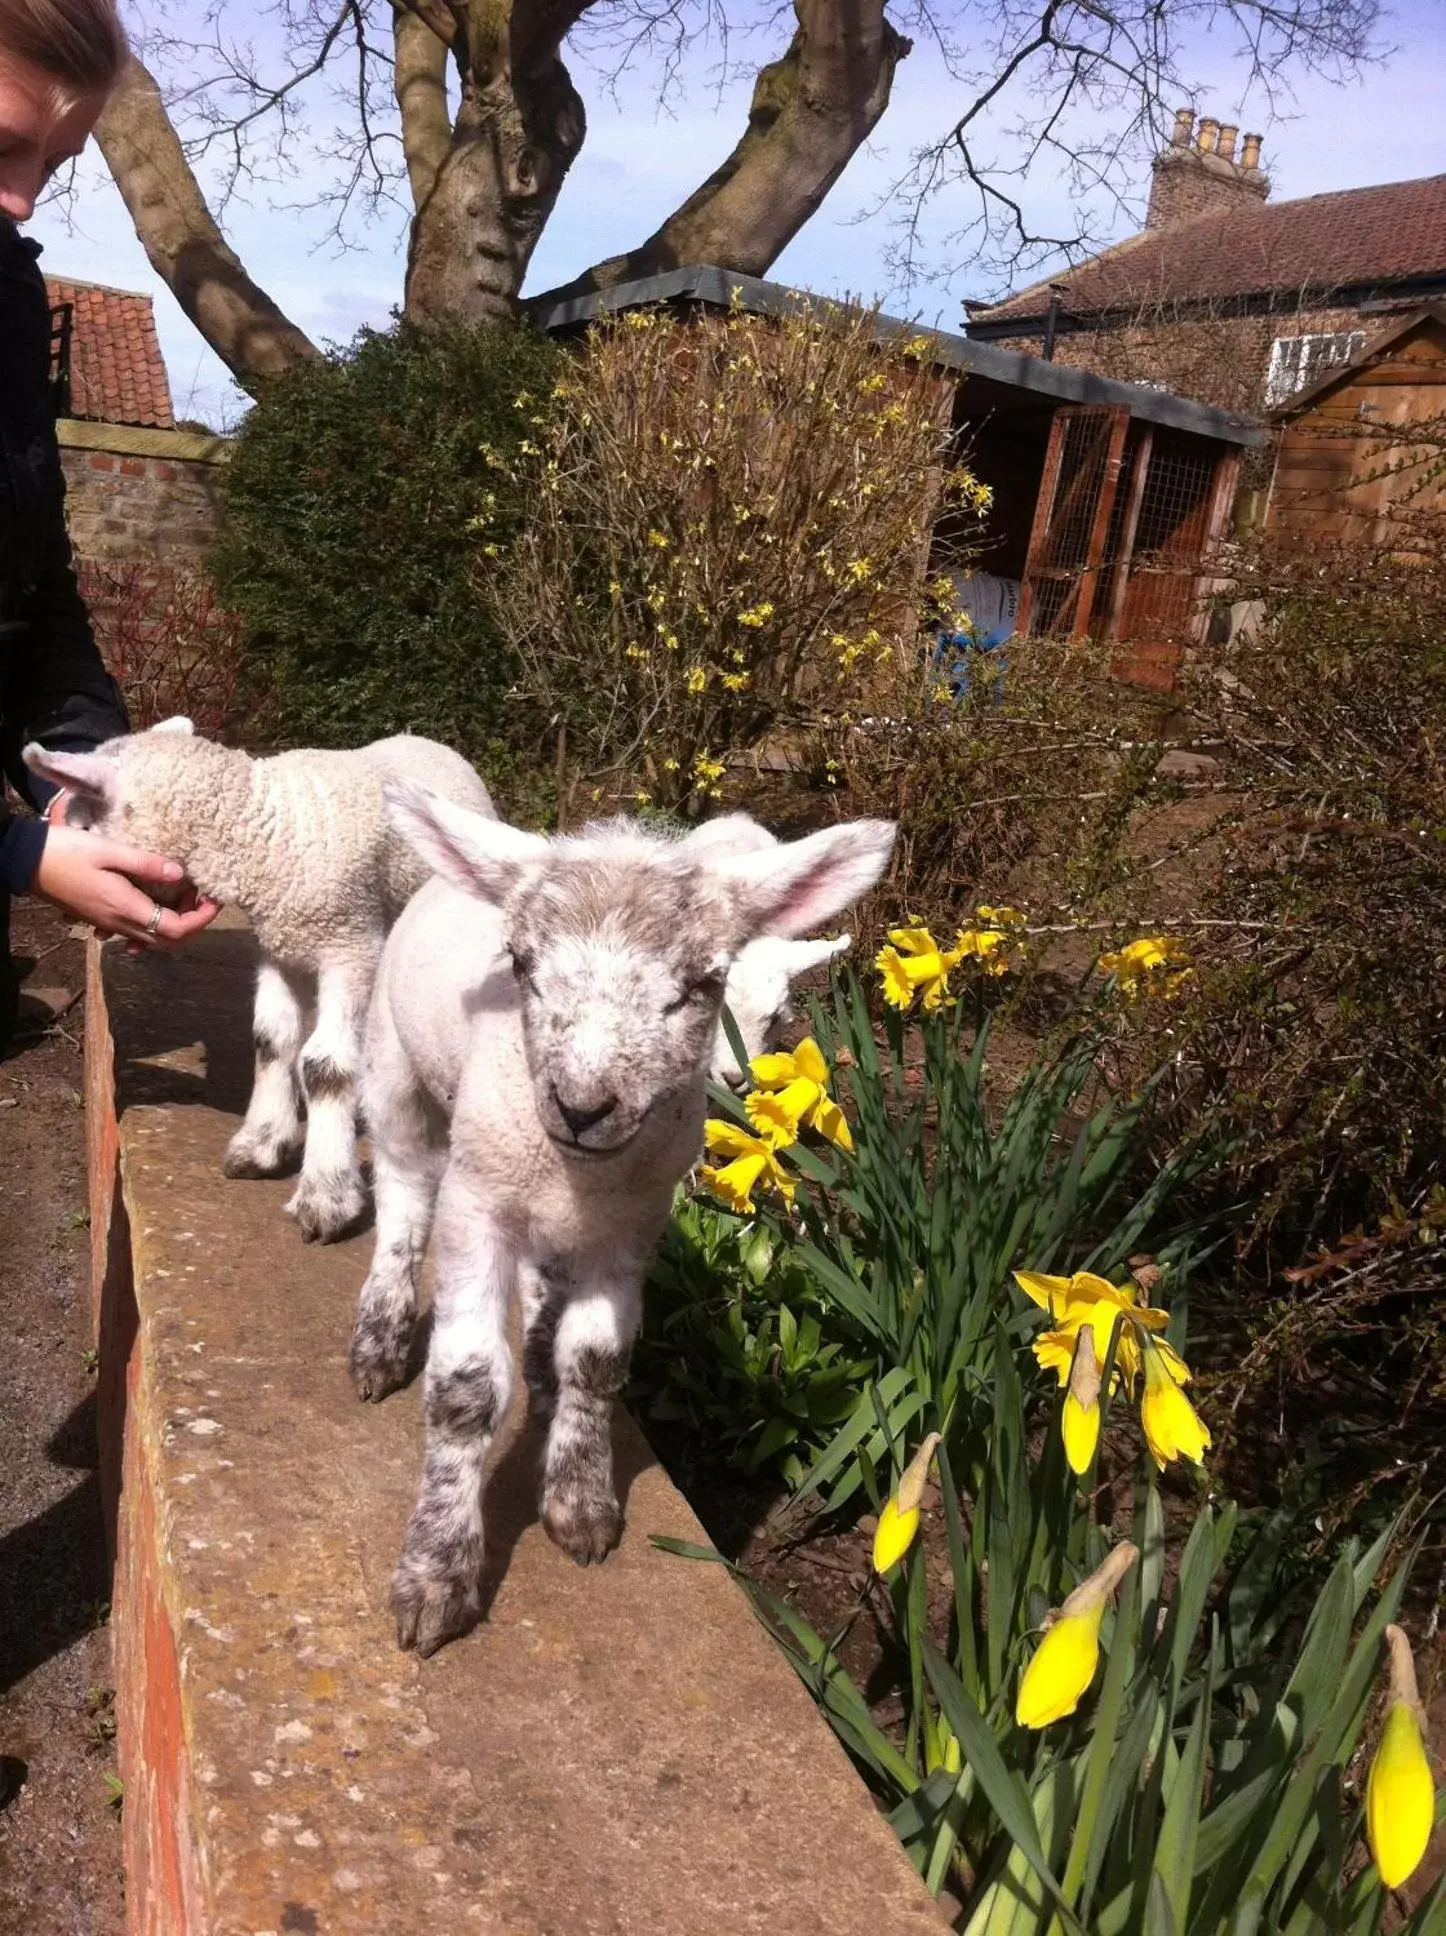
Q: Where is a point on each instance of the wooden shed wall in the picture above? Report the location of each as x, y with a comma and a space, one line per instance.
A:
1338, 482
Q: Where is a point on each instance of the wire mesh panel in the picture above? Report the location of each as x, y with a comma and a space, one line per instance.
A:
1171, 539
1072, 519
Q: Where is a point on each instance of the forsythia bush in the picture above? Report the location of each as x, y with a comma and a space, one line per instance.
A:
729, 522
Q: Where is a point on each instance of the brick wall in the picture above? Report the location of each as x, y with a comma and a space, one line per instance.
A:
150, 496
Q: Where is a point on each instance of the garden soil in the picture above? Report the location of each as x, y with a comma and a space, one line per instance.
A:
60, 1843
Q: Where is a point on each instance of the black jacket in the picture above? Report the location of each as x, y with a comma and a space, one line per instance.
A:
53, 687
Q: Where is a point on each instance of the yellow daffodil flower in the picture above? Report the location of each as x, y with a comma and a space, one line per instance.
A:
1080, 1421
753, 1164
1065, 1661
1173, 1428
1154, 965
914, 964
899, 1521
793, 1091
1008, 918
1400, 1794
990, 947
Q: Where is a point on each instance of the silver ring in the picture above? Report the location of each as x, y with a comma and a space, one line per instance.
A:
154, 924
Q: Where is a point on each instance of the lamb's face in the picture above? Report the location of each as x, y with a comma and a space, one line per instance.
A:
621, 940
131, 789
621, 959
759, 996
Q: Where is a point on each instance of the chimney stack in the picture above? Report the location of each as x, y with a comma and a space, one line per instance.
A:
1203, 177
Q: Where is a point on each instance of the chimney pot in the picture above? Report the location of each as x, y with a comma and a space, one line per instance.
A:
1184, 127
1250, 152
1209, 135
1226, 149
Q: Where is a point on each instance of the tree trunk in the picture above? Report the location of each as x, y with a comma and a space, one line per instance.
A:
518, 129
419, 80
240, 321
811, 112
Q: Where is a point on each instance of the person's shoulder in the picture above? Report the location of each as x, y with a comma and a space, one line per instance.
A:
20, 254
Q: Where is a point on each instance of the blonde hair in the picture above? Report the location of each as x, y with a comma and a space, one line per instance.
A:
79, 44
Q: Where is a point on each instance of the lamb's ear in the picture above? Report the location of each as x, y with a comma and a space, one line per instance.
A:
482, 856
800, 956
730, 833
180, 724
789, 889
94, 776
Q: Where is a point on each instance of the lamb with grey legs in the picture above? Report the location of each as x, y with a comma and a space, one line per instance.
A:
536, 1060
301, 843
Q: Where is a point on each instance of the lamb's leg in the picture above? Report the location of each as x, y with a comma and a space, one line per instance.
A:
541, 1308
329, 1198
408, 1153
595, 1332
436, 1588
268, 1140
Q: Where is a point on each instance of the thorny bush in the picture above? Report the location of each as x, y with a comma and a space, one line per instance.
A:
170, 645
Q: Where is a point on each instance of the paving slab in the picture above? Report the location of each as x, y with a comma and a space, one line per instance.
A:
615, 1749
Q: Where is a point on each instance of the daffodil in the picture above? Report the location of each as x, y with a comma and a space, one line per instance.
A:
914, 964
1065, 1661
753, 1164
1080, 1422
1007, 918
990, 947
1400, 1795
1173, 1428
793, 1091
899, 1521
1154, 965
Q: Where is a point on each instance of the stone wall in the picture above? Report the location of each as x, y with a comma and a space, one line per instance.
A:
149, 496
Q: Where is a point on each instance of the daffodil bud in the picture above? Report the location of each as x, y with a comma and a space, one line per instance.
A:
1080, 1423
1066, 1660
1173, 1428
1400, 1795
899, 1521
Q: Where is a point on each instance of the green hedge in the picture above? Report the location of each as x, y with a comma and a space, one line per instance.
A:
356, 494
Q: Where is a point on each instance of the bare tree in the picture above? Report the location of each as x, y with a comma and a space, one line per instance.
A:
463, 113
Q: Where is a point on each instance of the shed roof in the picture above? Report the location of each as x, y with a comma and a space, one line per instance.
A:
1370, 352
117, 373
716, 288
1351, 239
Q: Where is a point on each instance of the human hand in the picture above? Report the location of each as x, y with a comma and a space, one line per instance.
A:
96, 879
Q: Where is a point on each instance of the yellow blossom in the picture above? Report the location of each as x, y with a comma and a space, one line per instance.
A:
1154, 965
1007, 918
697, 678
994, 950
753, 1164
1173, 1428
659, 540
735, 681
1400, 1794
757, 615
1065, 1661
914, 964
793, 1092
899, 1521
670, 766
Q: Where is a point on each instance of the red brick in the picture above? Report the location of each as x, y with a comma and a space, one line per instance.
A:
133, 467
101, 460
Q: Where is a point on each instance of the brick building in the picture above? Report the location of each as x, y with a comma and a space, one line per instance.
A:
140, 488
1226, 295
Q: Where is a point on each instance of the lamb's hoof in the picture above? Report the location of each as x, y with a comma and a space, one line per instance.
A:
587, 1530
433, 1605
246, 1158
327, 1208
381, 1351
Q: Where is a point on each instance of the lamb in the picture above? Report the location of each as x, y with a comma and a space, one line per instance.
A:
760, 982
552, 1003
302, 844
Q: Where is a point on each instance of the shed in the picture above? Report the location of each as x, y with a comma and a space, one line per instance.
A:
1108, 497
1342, 475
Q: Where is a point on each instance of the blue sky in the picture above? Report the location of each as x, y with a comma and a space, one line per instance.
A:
639, 162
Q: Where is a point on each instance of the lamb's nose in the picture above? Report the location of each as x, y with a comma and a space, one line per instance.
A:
578, 1119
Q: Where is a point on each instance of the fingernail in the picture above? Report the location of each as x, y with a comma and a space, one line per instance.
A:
174, 870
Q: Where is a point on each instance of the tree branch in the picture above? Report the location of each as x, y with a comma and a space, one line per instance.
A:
811, 111
238, 319
420, 83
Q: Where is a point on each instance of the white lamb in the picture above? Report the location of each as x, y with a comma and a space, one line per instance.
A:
555, 1002
759, 990
302, 844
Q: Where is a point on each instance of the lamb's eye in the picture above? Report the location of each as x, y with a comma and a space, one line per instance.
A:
521, 965
705, 988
